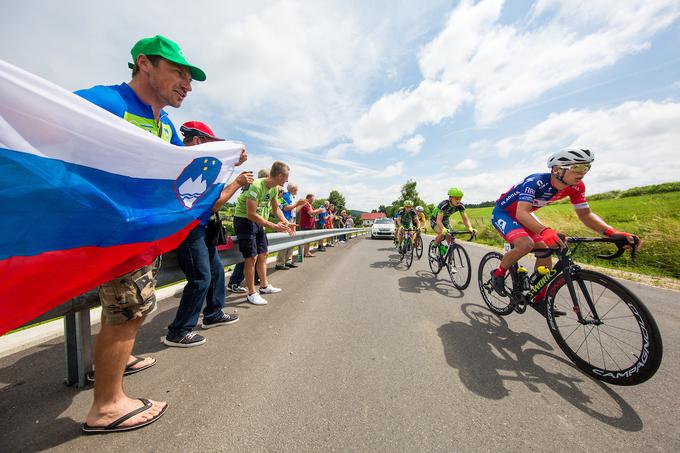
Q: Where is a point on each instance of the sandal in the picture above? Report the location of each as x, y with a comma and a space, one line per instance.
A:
128, 368
115, 426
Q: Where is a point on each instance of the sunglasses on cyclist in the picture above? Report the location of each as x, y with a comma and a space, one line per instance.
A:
578, 168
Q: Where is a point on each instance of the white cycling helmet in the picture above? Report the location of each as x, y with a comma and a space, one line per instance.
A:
570, 156
419, 208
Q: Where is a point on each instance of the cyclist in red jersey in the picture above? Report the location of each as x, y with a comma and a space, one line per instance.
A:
513, 215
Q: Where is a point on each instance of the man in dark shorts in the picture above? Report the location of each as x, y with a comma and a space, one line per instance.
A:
249, 225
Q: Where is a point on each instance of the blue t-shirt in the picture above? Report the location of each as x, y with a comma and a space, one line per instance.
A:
322, 217
287, 201
122, 101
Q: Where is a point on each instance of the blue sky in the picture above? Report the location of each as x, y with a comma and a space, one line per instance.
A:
361, 96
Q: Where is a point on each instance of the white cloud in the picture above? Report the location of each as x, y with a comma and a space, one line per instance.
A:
413, 144
635, 143
294, 74
398, 114
500, 66
467, 164
393, 170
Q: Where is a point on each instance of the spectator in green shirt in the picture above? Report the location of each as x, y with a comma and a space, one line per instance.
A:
250, 222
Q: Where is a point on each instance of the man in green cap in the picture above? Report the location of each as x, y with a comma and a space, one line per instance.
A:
161, 76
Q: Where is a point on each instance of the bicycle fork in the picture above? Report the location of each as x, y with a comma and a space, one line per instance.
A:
569, 274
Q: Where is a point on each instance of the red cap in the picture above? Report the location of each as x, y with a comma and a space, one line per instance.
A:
198, 129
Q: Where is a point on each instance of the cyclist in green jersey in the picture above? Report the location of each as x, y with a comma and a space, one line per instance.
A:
406, 218
444, 210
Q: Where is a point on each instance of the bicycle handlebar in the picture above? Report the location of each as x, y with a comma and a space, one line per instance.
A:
620, 247
472, 234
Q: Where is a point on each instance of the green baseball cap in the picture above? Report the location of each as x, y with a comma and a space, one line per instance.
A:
163, 47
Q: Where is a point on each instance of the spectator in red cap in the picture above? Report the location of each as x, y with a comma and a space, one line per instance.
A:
199, 260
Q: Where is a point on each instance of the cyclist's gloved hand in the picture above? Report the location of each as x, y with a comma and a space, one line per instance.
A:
551, 237
620, 235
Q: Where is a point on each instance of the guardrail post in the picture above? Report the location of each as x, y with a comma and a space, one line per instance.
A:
78, 347
301, 252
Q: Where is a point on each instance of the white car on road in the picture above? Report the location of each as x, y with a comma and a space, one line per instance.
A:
383, 228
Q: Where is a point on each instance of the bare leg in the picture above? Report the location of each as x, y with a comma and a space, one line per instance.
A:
111, 354
547, 261
262, 269
249, 271
522, 246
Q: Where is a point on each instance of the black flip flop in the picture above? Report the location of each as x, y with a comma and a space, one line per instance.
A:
128, 369
115, 426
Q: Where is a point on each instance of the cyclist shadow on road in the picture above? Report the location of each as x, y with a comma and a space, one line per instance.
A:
487, 353
393, 262
427, 281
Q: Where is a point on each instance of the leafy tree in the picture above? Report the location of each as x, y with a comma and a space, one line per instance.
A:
336, 199
318, 202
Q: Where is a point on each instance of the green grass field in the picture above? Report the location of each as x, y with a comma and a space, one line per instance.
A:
654, 217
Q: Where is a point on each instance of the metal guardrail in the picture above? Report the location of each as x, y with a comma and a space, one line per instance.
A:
76, 312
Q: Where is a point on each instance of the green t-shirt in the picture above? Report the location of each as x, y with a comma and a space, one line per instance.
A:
257, 191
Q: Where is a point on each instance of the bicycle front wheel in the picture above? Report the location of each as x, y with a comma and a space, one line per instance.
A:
496, 303
409, 252
419, 247
620, 343
433, 258
458, 264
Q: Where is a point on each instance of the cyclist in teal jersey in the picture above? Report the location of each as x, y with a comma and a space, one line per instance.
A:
406, 219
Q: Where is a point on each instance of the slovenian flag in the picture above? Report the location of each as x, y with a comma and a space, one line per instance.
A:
86, 196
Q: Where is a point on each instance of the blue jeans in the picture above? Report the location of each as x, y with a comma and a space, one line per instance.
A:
238, 275
204, 271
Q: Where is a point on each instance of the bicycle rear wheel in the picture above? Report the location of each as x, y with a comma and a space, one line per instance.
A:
458, 264
419, 247
433, 258
622, 346
496, 303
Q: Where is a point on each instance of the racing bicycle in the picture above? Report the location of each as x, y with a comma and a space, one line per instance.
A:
456, 259
419, 244
407, 245
600, 325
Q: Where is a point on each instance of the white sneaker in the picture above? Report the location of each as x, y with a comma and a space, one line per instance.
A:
269, 289
256, 299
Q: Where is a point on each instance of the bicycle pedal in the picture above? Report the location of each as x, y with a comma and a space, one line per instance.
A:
558, 313
518, 306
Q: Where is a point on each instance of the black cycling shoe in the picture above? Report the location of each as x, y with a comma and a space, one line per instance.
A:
498, 284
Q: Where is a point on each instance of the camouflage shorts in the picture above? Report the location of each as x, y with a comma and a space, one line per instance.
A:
129, 296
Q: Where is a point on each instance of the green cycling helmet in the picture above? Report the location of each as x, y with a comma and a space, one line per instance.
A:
455, 192
408, 203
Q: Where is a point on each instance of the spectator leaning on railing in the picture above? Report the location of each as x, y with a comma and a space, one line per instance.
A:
340, 223
161, 76
307, 219
330, 219
349, 223
321, 223
238, 274
284, 259
249, 224
199, 260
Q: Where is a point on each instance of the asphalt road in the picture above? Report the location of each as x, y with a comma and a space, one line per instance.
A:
359, 354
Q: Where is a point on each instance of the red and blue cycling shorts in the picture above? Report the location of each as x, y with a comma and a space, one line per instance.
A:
508, 227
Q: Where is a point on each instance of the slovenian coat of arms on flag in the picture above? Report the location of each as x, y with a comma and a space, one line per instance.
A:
87, 196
